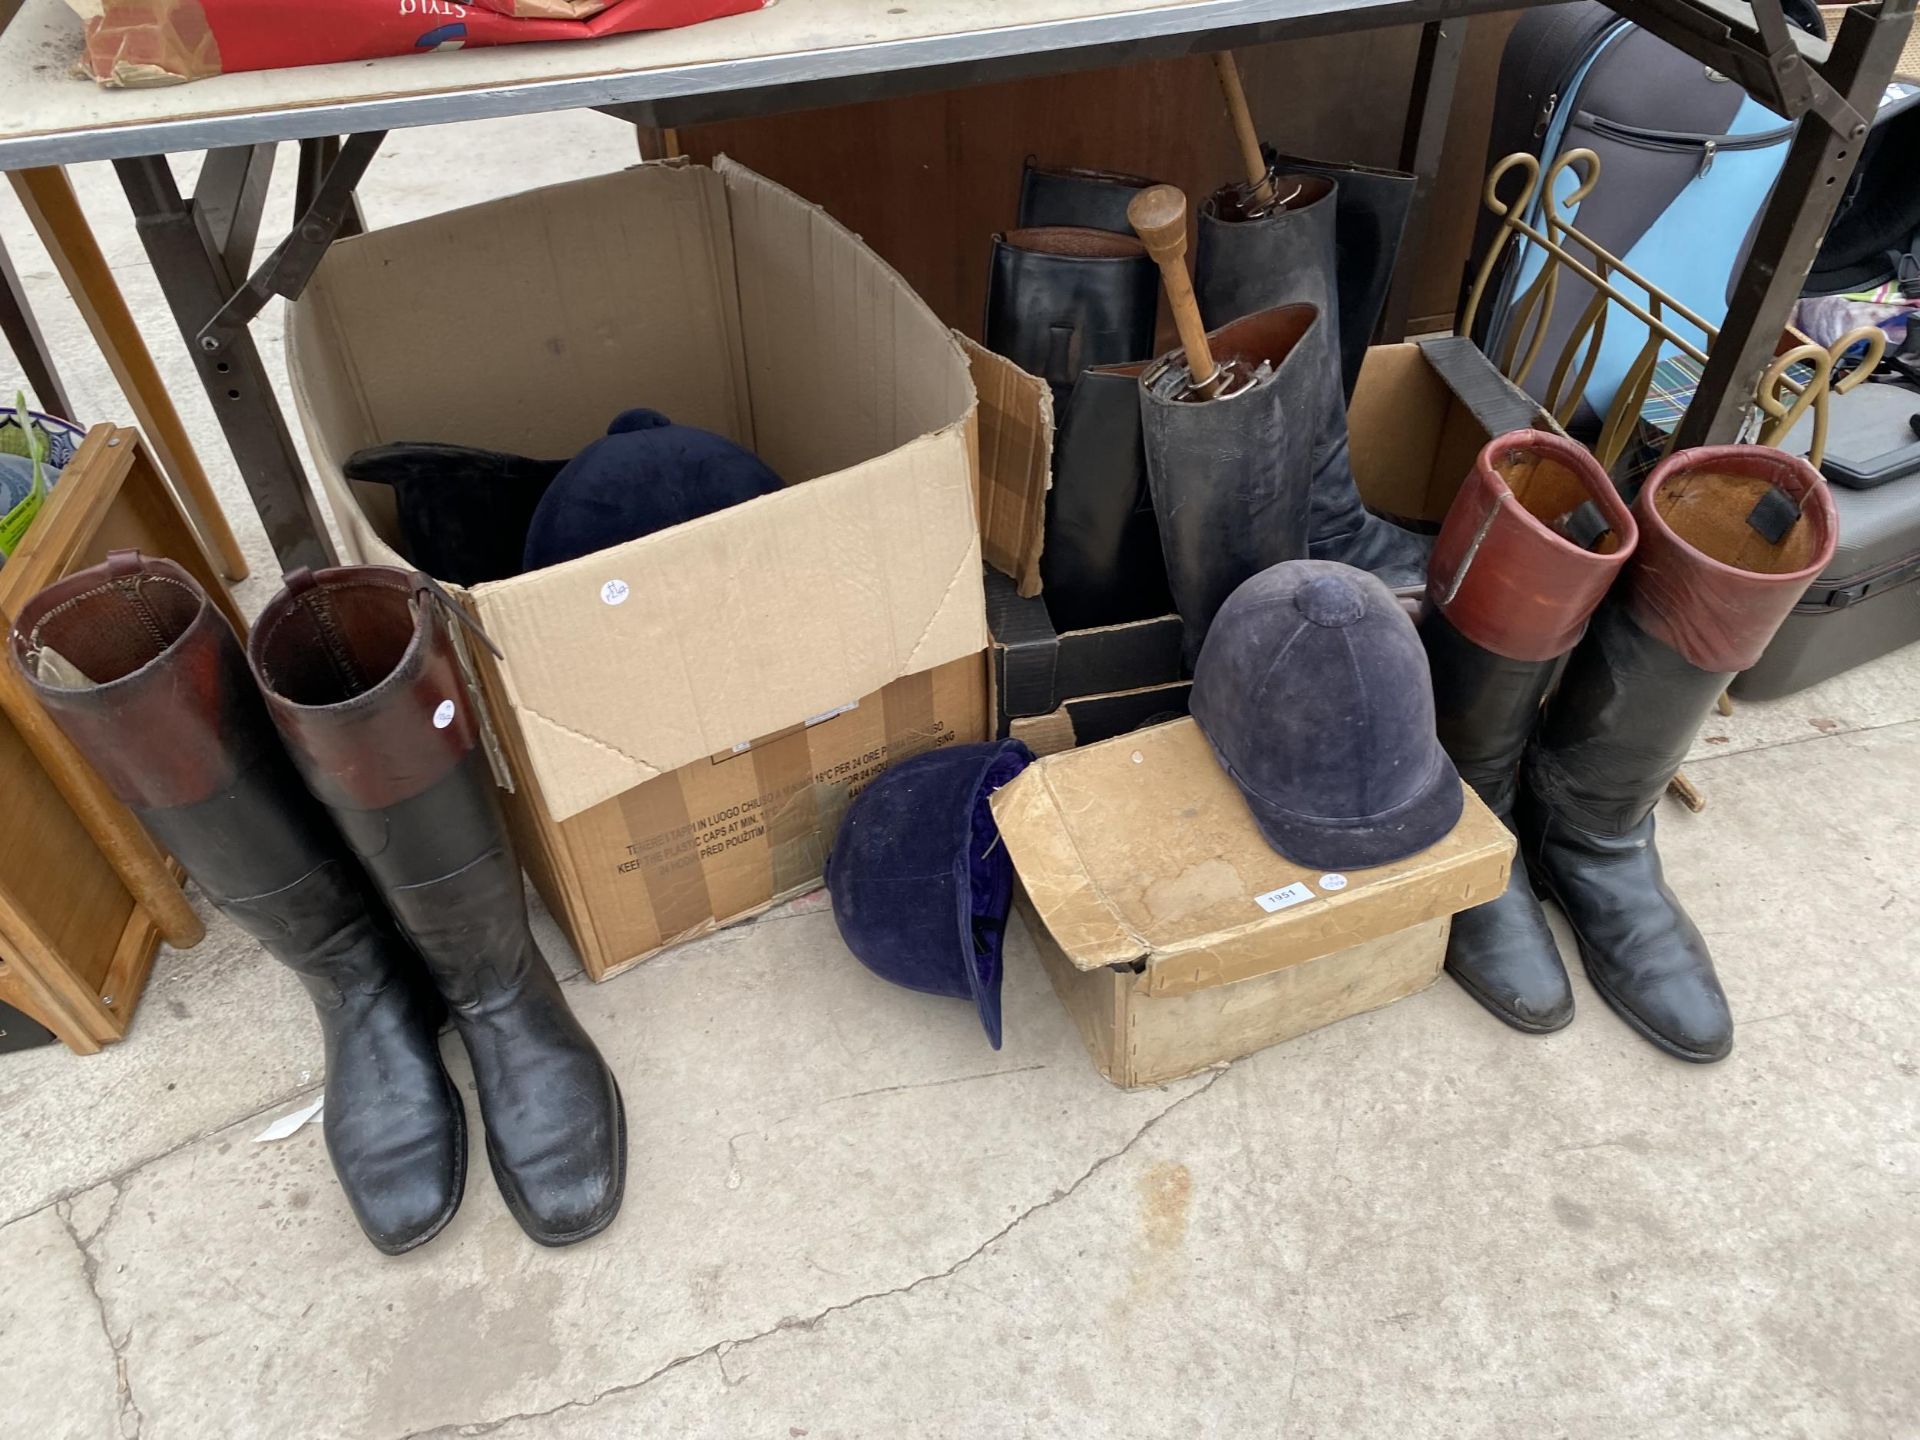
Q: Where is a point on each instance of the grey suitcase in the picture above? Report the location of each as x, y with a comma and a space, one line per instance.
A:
1865, 605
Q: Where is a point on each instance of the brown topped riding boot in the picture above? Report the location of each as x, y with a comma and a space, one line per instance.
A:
360, 674
1730, 538
1531, 544
145, 676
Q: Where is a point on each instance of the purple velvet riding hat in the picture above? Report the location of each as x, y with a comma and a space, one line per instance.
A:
1314, 692
920, 882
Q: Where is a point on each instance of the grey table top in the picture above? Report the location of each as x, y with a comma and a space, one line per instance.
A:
47, 116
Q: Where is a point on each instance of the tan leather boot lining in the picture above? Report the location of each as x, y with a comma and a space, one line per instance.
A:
1549, 489
1073, 240
1264, 336
1709, 511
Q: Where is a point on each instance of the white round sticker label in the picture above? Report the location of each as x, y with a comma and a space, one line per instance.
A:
443, 715
1333, 882
614, 592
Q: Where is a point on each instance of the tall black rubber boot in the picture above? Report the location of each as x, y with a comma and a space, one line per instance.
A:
360, 674
146, 678
1369, 223
1230, 476
1249, 263
1531, 544
1730, 538
1074, 195
1063, 299
1101, 564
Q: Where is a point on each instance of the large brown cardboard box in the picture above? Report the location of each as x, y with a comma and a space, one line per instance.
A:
681, 718
1178, 938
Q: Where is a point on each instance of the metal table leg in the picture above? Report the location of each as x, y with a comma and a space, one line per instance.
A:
29, 346
232, 194
316, 159
192, 270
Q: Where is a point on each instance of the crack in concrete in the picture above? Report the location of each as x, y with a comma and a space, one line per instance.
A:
927, 1084
721, 1348
117, 1177
133, 1419
1715, 757
736, 1176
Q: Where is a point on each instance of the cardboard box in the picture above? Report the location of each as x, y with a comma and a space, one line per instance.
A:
683, 716
1089, 719
1420, 413
1178, 938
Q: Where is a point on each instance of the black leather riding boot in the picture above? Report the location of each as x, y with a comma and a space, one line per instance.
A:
1231, 476
1369, 223
1072, 195
1288, 257
1101, 563
464, 513
145, 676
1500, 953
1531, 543
1730, 538
1062, 299
360, 674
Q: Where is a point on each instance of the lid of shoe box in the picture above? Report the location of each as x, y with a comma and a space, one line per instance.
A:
1140, 852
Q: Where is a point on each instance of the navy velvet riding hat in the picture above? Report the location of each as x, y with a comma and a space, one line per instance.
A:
920, 882
645, 474
1314, 692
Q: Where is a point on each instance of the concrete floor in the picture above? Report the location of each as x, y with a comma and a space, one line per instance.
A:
847, 1217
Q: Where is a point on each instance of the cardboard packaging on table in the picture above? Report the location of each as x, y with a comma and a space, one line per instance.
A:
1178, 938
683, 717
1420, 413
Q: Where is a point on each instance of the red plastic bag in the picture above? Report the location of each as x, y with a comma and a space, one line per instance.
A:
164, 42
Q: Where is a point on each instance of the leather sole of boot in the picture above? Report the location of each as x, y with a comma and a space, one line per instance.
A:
1493, 1008
1543, 889
459, 1110
556, 1239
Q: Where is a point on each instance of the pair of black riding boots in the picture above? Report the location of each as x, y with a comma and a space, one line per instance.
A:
328, 790
1576, 645
1162, 504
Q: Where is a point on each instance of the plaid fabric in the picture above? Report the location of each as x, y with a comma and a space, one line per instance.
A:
1674, 381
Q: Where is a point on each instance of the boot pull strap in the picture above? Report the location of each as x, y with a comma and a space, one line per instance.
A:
1775, 514
1584, 525
297, 581
125, 564
425, 584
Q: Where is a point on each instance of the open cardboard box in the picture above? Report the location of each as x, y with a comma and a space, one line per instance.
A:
684, 717
1178, 938
1420, 413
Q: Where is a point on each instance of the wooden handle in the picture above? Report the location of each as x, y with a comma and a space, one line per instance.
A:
1244, 134
1159, 217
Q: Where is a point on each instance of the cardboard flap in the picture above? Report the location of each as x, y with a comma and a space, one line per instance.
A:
836, 587
1142, 848
1016, 464
1035, 830
843, 360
